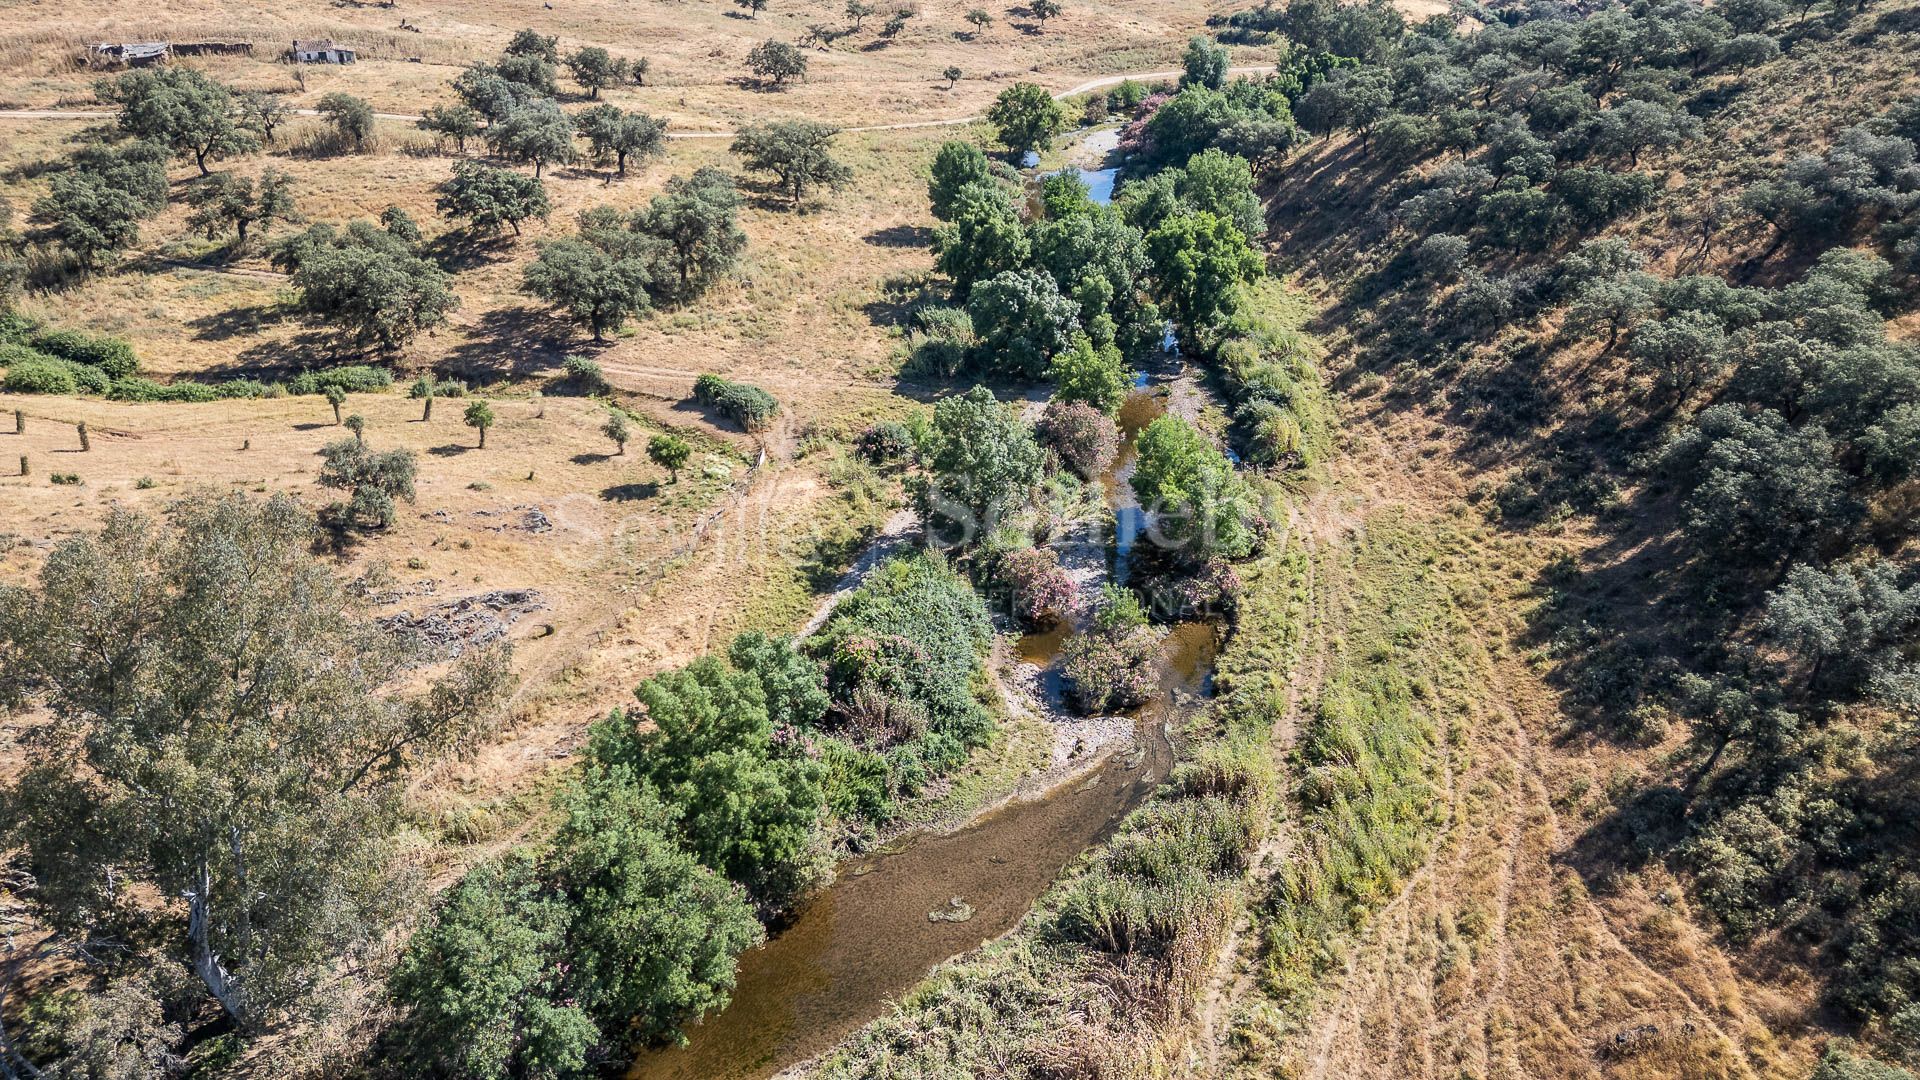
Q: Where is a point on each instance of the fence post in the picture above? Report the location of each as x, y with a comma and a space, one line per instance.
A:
85, 445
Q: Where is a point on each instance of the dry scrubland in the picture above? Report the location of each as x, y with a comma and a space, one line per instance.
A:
697, 49
1521, 944
1503, 952
630, 572
799, 314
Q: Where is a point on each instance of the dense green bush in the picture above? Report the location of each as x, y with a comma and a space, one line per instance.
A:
745, 804
912, 638
747, 405
884, 442
583, 375
427, 386
37, 374
1205, 508
481, 982
610, 938
15, 327
110, 354
941, 342
139, 389
353, 378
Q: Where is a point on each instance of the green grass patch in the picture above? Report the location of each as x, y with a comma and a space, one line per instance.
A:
1370, 750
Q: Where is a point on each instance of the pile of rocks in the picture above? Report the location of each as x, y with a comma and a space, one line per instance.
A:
458, 625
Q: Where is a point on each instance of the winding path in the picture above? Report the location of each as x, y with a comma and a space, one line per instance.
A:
908, 125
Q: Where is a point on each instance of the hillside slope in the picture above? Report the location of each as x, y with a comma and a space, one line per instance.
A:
1625, 876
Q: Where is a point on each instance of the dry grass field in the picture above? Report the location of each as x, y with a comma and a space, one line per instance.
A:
808, 302
697, 50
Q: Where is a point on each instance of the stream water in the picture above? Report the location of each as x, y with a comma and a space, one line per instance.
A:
896, 912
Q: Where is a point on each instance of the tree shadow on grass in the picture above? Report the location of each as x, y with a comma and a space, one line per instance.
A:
451, 450
234, 322
591, 458
900, 236
630, 492
464, 250
512, 343
315, 348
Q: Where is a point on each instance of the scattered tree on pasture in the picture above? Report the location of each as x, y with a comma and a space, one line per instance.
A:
670, 452
797, 153
479, 416
489, 197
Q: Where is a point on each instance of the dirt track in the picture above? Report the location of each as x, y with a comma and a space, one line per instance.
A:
957, 121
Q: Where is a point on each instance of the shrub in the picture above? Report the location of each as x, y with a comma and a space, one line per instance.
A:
1082, 438
1023, 322
708, 388
749, 406
13, 352
141, 389
911, 640
1108, 671
583, 375
90, 379
245, 388
352, 378
1441, 255
1094, 374
744, 796
43, 375
14, 327
886, 441
938, 348
1207, 509
1039, 590
428, 386
110, 354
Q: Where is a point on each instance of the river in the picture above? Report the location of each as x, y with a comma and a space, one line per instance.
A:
894, 913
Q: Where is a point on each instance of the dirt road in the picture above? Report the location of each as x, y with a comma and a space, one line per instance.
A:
957, 121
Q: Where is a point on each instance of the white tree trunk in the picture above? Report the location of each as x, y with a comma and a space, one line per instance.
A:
206, 964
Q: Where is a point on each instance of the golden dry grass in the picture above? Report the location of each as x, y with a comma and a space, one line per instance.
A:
803, 311
1508, 953
697, 49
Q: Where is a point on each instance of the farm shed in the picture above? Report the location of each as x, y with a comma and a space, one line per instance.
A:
321, 51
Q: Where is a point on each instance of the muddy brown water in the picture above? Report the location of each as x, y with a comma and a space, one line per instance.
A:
865, 940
